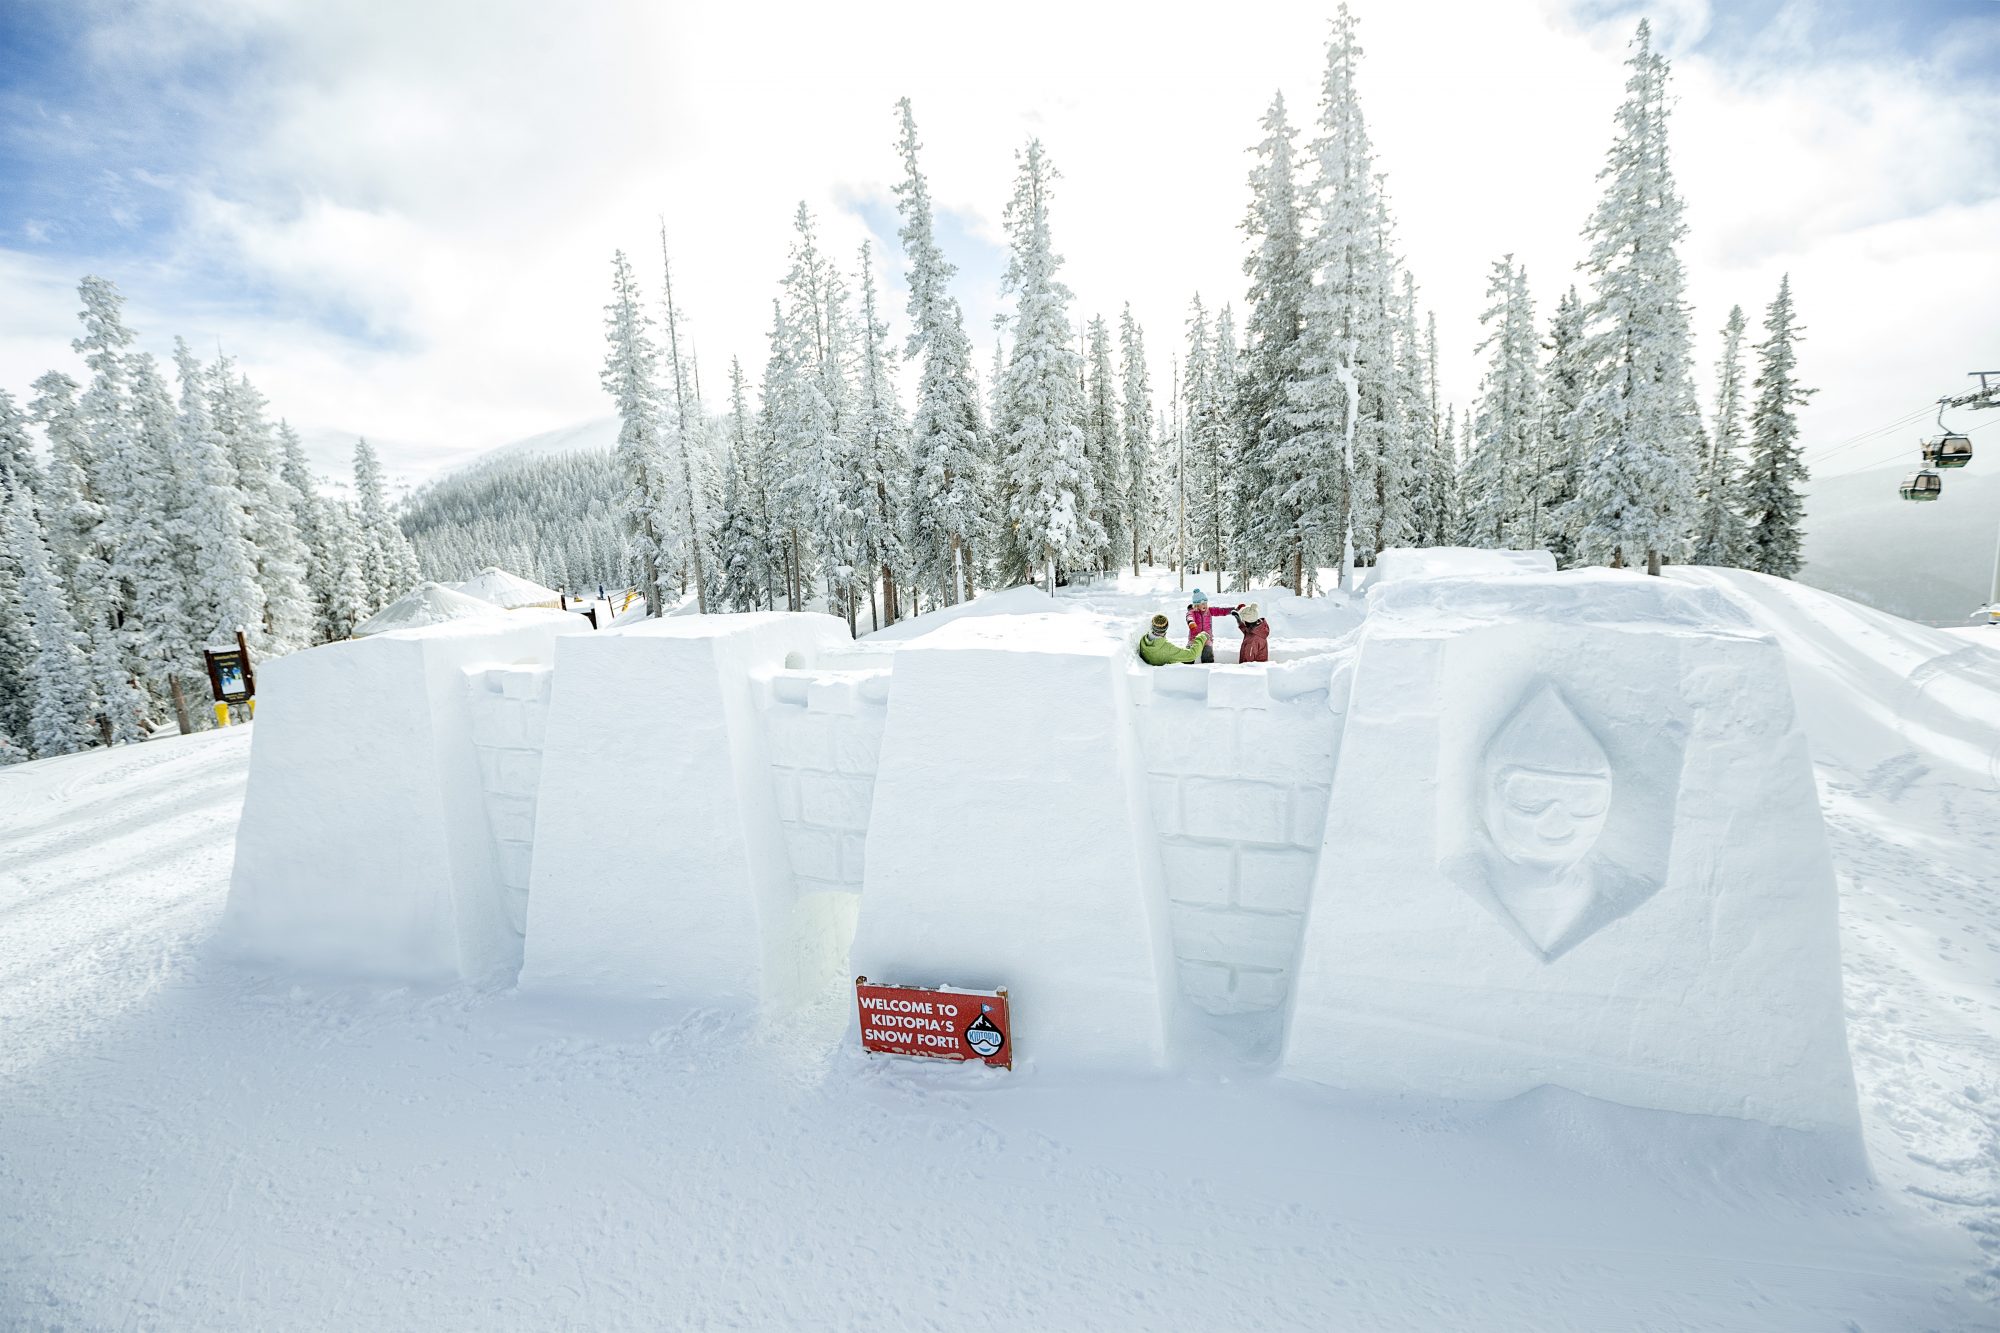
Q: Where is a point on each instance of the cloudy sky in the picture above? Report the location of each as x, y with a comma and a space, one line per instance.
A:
399, 217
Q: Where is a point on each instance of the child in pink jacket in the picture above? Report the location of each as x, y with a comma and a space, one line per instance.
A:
1201, 620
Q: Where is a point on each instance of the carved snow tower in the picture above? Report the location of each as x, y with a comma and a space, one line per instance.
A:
1574, 840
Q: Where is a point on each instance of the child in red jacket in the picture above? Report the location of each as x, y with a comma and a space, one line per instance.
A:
1256, 634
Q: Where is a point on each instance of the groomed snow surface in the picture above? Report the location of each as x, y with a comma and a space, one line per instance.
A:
187, 1141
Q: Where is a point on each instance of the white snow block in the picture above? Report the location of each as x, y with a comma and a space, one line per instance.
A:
660, 868
1574, 840
363, 846
1011, 843
1434, 562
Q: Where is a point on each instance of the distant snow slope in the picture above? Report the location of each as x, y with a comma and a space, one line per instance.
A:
186, 1143
1929, 562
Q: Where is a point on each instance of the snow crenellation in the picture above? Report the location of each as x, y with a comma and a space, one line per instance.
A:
1519, 828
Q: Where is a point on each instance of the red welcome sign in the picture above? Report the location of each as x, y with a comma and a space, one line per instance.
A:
935, 1022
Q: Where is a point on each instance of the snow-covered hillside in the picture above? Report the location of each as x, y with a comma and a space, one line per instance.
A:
186, 1141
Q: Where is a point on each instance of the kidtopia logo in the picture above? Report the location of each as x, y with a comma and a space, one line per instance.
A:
982, 1036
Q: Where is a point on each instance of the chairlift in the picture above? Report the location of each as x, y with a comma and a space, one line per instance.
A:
1922, 485
1947, 451
1948, 448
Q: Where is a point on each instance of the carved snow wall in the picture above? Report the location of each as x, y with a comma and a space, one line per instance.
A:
1574, 840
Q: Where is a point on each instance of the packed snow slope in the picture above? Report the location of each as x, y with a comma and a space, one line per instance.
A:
186, 1143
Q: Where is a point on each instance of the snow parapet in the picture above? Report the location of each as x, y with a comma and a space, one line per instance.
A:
1574, 840
1011, 843
660, 868
364, 846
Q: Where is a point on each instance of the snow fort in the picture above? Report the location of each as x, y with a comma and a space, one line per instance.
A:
1508, 828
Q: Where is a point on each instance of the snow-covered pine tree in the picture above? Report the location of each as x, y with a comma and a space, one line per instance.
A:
1052, 502
1773, 501
1279, 487
57, 674
389, 565
949, 483
18, 469
1503, 508
1344, 405
1720, 537
686, 439
345, 593
790, 514
16, 641
747, 579
1564, 378
1638, 419
646, 502
1434, 470
164, 637
1399, 476
225, 592
883, 454
1141, 466
310, 520
1103, 444
816, 425
268, 505
1207, 459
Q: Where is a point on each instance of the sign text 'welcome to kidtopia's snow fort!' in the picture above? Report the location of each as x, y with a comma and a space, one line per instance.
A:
940, 1023
1516, 828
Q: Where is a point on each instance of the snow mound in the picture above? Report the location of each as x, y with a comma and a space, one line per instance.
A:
1574, 839
426, 604
363, 846
1023, 600
1431, 562
509, 591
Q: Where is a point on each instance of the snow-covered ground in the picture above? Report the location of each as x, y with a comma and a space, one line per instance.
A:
188, 1143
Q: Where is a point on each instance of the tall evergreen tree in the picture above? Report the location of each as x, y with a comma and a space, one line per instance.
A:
1637, 420
949, 484
225, 593
18, 469
1720, 536
1280, 483
1773, 483
1142, 469
1565, 377
1502, 508
1103, 443
748, 576
269, 506
57, 674
1052, 503
685, 442
646, 501
882, 453
389, 565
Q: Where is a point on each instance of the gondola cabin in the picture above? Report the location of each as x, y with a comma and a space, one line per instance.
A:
1947, 451
1924, 485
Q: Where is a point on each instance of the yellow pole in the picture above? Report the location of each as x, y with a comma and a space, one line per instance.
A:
250, 706
222, 715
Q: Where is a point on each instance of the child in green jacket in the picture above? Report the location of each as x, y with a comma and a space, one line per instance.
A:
1157, 650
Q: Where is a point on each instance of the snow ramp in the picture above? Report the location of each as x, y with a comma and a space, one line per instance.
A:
1872, 688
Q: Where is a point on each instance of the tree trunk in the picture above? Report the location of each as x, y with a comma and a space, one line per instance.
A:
180, 704
1135, 553
1298, 572
1653, 561
1618, 557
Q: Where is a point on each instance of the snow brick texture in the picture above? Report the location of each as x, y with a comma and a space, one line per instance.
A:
510, 717
1239, 763
824, 729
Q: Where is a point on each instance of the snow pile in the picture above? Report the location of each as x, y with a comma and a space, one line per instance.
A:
659, 863
1574, 840
426, 604
364, 845
1010, 843
509, 591
1436, 562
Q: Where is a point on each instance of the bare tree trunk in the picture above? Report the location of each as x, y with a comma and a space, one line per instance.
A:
180, 704
1298, 572
1653, 561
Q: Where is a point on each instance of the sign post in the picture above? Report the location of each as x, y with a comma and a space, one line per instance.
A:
937, 1022
231, 679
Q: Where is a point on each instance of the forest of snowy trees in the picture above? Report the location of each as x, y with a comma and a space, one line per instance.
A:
157, 523
1305, 437
1313, 439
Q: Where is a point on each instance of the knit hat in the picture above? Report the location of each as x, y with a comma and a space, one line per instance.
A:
1248, 613
1159, 624
1200, 596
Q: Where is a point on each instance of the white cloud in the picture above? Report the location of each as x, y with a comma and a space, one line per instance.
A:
427, 196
